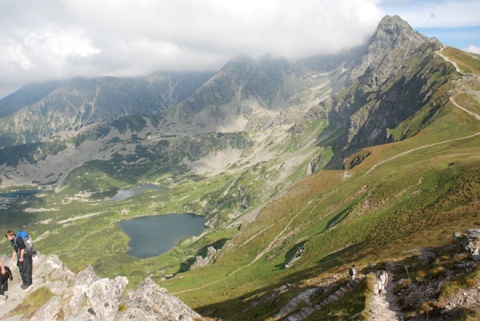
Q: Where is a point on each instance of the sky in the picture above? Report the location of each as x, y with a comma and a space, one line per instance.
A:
62, 39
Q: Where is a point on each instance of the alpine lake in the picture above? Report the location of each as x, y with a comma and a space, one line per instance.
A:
156, 234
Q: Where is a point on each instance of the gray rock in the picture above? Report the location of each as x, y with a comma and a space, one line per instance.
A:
55, 275
151, 301
204, 261
49, 311
428, 255
78, 299
104, 296
85, 314
456, 235
473, 244
86, 297
87, 276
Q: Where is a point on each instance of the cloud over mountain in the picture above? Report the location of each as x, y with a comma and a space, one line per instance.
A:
62, 39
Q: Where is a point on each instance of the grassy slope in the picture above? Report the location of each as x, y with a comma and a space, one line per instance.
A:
408, 201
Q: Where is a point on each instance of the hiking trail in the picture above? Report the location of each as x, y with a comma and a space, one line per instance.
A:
452, 99
439, 52
384, 305
293, 310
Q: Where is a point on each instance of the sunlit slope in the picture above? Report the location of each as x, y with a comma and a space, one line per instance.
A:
403, 196
467, 62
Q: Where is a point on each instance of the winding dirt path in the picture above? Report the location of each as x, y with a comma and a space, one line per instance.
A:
448, 60
419, 148
383, 305
471, 113
452, 99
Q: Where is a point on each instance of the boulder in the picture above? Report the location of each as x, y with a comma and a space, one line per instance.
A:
428, 255
204, 261
473, 244
104, 296
151, 301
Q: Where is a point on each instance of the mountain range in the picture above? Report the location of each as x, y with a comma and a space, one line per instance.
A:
301, 169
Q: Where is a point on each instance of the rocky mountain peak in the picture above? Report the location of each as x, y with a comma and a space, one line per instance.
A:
393, 32
393, 35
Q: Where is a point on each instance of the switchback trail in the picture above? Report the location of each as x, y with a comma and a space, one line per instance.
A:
452, 99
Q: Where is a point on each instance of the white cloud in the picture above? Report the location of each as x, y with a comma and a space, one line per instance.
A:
40, 40
473, 49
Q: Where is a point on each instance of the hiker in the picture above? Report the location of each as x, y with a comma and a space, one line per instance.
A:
5, 275
352, 273
382, 280
24, 259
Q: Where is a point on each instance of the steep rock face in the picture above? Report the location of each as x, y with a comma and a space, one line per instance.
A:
396, 78
392, 33
85, 296
244, 94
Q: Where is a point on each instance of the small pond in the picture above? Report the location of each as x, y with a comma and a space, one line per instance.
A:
154, 235
129, 192
8, 198
18, 194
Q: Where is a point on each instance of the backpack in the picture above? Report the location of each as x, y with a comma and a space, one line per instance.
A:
27, 240
352, 271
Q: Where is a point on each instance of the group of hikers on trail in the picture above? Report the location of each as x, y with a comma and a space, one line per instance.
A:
381, 278
22, 254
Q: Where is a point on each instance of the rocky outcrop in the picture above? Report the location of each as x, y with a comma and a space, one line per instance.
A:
392, 34
448, 284
210, 258
473, 244
86, 296
152, 302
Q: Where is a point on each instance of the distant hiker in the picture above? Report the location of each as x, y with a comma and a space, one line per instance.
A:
22, 256
5, 275
352, 273
382, 280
